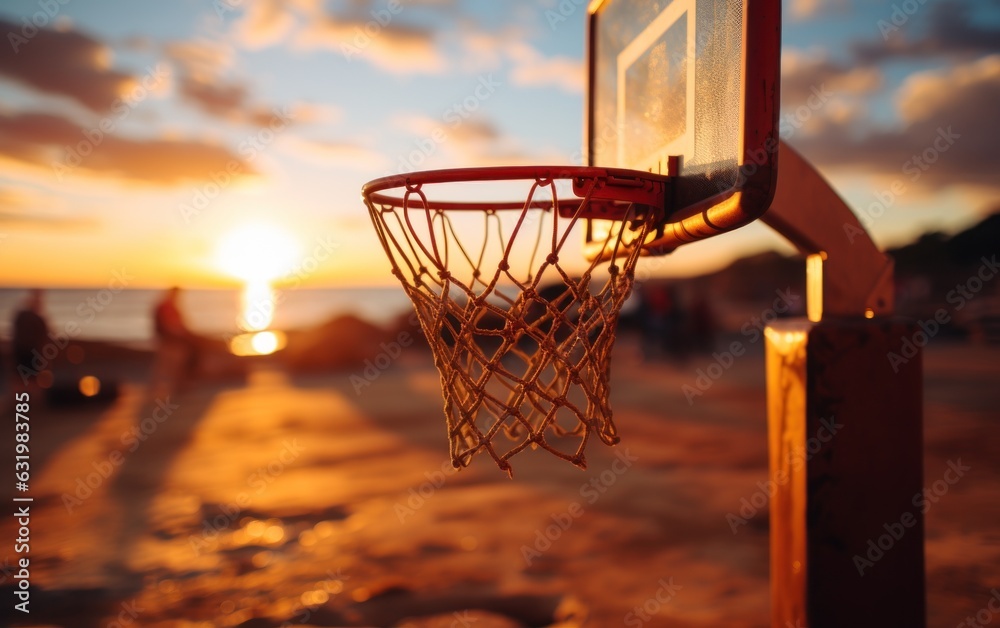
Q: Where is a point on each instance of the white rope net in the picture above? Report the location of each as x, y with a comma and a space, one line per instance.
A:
523, 353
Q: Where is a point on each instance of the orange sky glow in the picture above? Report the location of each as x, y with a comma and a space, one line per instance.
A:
138, 137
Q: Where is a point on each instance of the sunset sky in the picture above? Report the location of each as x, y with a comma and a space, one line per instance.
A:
142, 135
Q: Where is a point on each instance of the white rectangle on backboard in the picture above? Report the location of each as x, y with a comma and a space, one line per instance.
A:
655, 104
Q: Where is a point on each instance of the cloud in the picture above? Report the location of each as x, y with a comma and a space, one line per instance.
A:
228, 101
476, 130
63, 63
395, 48
317, 113
532, 69
217, 99
802, 9
808, 9
485, 50
202, 59
463, 129
802, 74
26, 207
949, 138
44, 141
344, 154
476, 141
203, 84
415, 124
359, 31
265, 23
925, 94
951, 30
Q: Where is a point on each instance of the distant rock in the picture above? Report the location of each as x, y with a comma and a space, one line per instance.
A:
342, 342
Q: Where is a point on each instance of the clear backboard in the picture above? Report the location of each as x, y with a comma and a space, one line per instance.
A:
687, 88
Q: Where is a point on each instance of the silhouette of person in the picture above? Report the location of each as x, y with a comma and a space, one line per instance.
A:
179, 349
703, 324
655, 309
30, 335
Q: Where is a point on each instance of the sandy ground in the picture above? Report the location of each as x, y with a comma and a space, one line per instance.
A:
293, 500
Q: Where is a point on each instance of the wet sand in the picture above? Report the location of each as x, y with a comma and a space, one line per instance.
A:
293, 500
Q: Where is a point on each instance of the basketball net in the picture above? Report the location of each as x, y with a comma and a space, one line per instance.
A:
523, 354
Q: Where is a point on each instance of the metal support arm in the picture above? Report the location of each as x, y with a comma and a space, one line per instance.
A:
847, 274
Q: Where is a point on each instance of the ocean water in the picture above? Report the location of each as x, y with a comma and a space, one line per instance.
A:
126, 316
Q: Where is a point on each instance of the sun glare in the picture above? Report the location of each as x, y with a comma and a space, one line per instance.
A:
257, 253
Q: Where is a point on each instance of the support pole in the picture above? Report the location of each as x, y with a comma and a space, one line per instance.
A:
844, 427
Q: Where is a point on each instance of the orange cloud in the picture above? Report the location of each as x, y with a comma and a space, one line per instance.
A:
951, 30
265, 22
337, 153
27, 208
55, 144
63, 63
949, 138
372, 34
395, 48
530, 67
803, 74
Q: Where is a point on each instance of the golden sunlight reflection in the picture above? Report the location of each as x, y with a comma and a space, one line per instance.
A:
257, 301
258, 343
258, 254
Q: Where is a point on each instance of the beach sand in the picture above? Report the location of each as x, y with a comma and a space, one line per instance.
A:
291, 499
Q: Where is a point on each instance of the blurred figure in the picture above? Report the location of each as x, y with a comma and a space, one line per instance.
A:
179, 349
30, 335
678, 339
655, 310
703, 325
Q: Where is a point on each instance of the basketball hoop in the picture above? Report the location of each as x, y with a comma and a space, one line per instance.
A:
521, 349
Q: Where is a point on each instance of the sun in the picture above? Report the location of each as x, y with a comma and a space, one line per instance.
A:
257, 252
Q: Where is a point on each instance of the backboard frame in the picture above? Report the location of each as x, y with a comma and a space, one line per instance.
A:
758, 136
